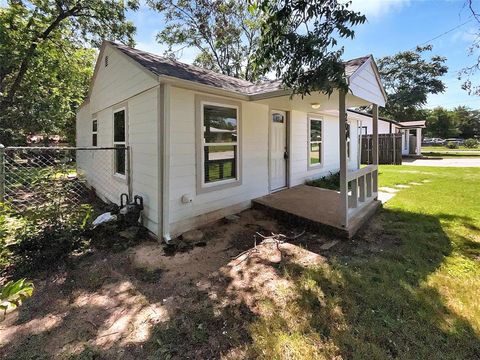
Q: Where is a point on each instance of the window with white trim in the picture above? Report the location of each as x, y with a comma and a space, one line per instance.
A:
94, 132
347, 135
315, 142
119, 141
219, 142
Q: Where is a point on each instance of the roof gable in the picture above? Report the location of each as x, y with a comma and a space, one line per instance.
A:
364, 80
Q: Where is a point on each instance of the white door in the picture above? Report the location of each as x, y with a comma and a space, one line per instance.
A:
278, 150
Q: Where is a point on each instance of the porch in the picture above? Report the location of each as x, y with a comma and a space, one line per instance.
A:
321, 209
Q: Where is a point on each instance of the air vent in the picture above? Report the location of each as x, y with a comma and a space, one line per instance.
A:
106, 61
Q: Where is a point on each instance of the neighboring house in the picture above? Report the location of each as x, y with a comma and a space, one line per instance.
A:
411, 130
203, 145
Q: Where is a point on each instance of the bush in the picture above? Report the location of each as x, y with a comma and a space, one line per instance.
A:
43, 237
13, 294
471, 143
452, 145
331, 182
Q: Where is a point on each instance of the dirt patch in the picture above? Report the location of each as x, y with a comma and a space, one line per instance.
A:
140, 303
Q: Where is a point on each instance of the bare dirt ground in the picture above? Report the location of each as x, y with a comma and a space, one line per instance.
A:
141, 303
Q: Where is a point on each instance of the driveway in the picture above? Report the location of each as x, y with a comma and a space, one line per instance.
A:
449, 162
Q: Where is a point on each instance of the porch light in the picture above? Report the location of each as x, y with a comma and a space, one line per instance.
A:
315, 105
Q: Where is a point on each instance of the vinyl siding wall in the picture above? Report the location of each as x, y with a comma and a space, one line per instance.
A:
122, 84
254, 139
299, 170
364, 85
254, 161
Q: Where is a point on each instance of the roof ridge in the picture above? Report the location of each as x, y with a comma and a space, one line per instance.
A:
181, 63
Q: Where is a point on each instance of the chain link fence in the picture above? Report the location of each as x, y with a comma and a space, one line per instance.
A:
31, 177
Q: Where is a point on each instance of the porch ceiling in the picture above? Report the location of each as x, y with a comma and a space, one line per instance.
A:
299, 103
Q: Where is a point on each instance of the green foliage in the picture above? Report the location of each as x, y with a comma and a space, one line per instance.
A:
45, 65
331, 182
43, 236
471, 143
224, 32
452, 145
444, 123
408, 79
298, 42
14, 293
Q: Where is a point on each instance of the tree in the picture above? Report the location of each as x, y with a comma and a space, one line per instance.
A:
298, 41
40, 41
467, 122
408, 80
441, 123
474, 50
224, 32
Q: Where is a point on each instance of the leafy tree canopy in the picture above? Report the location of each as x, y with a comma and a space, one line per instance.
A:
408, 79
224, 33
298, 41
46, 59
461, 121
295, 40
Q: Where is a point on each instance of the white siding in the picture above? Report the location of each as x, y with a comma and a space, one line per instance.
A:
383, 126
299, 171
364, 85
120, 80
254, 138
122, 84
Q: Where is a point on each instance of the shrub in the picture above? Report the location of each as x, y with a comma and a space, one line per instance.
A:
452, 145
46, 236
331, 182
471, 143
14, 293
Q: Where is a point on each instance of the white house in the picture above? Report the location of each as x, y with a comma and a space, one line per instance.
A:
204, 145
411, 130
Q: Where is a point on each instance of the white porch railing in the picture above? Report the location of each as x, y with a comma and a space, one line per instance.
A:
364, 186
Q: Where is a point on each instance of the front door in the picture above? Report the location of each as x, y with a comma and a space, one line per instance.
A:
278, 150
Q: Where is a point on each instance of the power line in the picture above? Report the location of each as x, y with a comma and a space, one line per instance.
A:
447, 32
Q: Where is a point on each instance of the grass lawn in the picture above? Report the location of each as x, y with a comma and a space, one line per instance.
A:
413, 293
407, 287
446, 152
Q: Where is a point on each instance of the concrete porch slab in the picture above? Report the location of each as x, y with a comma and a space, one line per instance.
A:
315, 208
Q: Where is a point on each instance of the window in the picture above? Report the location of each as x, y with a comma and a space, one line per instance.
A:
347, 131
94, 132
278, 118
315, 143
363, 130
119, 142
219, 142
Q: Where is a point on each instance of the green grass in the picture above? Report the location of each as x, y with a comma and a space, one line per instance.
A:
409, 290
443, 151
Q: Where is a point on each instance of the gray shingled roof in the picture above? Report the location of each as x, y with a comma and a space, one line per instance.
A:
168, 67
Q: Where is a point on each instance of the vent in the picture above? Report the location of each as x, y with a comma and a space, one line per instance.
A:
106, 61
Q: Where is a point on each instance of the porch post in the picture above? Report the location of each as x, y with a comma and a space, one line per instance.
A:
419, 142
342, 136
375, 148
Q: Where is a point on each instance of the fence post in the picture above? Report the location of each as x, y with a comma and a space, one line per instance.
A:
2, 173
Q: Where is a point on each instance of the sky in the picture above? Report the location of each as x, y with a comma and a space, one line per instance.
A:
392, 26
